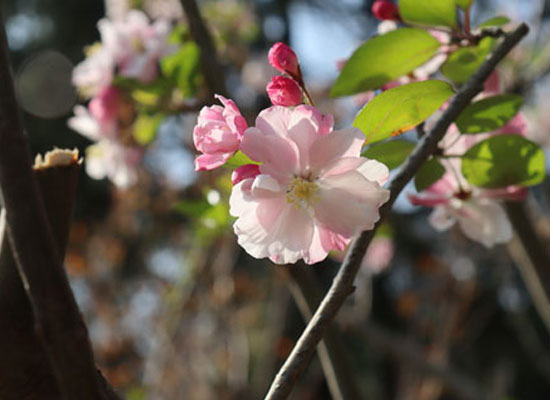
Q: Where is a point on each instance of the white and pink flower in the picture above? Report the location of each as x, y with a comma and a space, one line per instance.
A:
313, 191
477, 211
218, 134
109, 159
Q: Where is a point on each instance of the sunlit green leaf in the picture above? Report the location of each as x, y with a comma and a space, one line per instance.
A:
504, 160
383, 59
489, 114
192, 208
145, 127
402, 108
495, 21
392, 153
238, 159
428, 174
183, 67
429, 12
462, 63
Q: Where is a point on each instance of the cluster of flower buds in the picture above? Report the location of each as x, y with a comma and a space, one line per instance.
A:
130, 48
285, 90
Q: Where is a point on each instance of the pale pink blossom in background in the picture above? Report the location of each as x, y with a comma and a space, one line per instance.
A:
218, 134
314, 192
477, 211
95, 72
85, 124
379, 254
136, 44
284, 91
109, 159
104, 108
132, 45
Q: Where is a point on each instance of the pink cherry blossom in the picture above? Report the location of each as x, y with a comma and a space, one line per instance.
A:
477, 211
218, 134
314, 191
136, 44
283, 59
284, 91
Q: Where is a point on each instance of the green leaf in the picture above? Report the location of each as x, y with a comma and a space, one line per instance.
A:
183, 68
495, 21
429, 12
392, 153
489, 114
464, 4
461, 64
145, 127
428, 174
402, 108
193, 208
504, 160
238, 159
383, 59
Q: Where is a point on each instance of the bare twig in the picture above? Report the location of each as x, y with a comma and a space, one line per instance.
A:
343, 282
57, 320
211, 68
532, 260
331, 351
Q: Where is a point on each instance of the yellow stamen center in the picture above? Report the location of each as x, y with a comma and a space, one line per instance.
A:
302, 192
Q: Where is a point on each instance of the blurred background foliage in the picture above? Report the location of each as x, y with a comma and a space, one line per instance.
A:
177, 310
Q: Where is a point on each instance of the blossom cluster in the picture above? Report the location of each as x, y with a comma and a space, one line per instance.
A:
477, 210
307, 190
130, 48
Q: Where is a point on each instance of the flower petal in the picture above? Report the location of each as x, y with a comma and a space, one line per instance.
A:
348, 203
338, 144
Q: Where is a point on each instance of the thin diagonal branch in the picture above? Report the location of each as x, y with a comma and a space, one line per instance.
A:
211, 68
331, 351
343, 282
532, 259
57, 320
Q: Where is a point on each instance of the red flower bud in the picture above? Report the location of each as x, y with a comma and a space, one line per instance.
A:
284, 91
383, 9
283, 59
244, 172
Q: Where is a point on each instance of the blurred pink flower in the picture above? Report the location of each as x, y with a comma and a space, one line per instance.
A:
314, 192
379, 254
284, 91
109, 159
283, 59
136, 44
476, 210
218, 134
132, 45
104, 108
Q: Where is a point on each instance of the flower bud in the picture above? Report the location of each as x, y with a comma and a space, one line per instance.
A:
244, 172
284, 91
385, 10
283, 59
